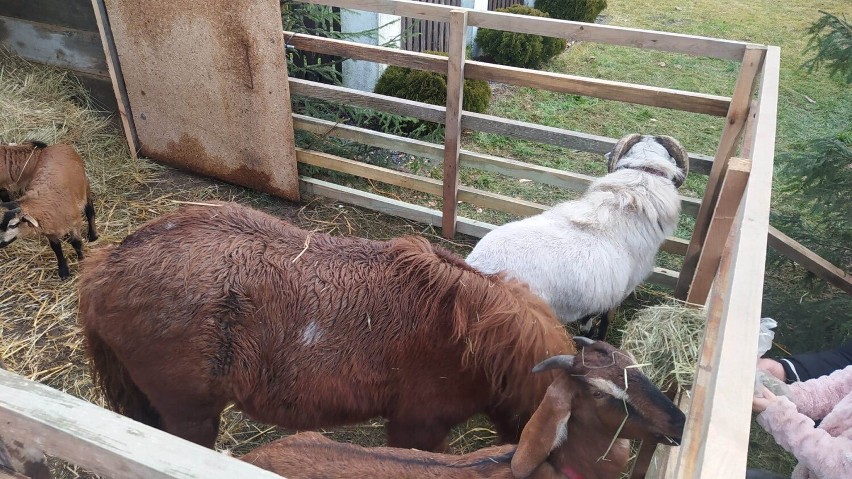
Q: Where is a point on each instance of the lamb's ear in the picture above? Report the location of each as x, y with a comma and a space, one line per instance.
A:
544, 432
623, 146
29, 219
678, 152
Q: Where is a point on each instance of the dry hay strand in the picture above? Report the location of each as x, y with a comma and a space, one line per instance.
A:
666, 339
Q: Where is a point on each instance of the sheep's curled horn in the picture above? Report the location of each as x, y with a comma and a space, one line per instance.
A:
675, 149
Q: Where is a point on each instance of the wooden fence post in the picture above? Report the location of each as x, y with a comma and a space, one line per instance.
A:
730, 196
452, 132
738, 112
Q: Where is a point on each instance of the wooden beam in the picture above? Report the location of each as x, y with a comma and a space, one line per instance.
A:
735, 121
718, 424
588, 32
730, 196
479, 122
597, 88
811, 261
105, 442
423, 184
116, 77
390, 206
452, 125
75, 14
558, 82
62, 47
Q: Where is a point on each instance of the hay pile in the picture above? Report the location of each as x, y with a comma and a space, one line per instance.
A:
666, 339
39, 338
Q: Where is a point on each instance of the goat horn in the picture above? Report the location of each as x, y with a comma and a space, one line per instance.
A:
678, 152
623, 146
583, 341
563, 361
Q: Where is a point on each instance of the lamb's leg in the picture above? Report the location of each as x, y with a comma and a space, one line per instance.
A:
90, 218
56, 246
77, 244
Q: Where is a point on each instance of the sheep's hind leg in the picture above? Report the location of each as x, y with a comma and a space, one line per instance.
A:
89, 210
56, 246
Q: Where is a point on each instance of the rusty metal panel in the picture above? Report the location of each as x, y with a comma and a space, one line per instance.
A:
207, 87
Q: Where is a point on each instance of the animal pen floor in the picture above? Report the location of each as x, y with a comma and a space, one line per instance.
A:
39, 337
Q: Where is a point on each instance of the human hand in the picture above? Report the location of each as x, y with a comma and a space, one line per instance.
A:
759, 404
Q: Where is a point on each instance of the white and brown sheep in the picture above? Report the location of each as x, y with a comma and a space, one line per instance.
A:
598, 395
586, 256
52, 195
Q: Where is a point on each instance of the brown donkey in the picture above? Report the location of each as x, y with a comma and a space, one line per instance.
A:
212, 305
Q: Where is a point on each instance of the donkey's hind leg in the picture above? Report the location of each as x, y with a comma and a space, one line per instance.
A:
199, 425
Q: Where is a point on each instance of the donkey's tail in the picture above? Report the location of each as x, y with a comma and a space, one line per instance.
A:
122, 394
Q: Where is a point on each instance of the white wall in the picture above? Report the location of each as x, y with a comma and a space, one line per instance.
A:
359, 74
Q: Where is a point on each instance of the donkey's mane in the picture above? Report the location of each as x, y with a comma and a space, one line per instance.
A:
507, 328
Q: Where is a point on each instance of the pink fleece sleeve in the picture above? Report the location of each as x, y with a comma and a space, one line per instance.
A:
823, 454
816, 397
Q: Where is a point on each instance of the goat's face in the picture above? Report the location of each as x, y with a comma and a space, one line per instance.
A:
12, 221
615, 388
660, 154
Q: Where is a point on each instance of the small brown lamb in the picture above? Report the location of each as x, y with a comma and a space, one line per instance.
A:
52, 193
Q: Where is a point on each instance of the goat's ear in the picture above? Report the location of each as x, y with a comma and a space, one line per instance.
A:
544, 432
29, 219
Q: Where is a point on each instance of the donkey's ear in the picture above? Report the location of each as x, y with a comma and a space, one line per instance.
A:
29, 219
544, 432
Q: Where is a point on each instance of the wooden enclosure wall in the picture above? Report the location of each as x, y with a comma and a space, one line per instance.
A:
62, 33
207, 88
427, 35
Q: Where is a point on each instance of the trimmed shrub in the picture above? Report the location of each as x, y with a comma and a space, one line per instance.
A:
576, 10
431, 87
519, 49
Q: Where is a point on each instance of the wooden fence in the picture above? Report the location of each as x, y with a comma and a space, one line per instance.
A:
495, 4
724, 259
427, 35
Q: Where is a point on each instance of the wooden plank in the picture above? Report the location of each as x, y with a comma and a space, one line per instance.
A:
116, 77
240, 128
558, 82
605, 89
735, 121
716, 442
423, 184
480, 122
452, 125
105, 442
730, 196
75, 14
589, 32
57, 46
374, 53
811, 261
390, 206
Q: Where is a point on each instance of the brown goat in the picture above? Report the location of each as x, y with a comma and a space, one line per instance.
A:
53, 195
570, 434
212, 305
